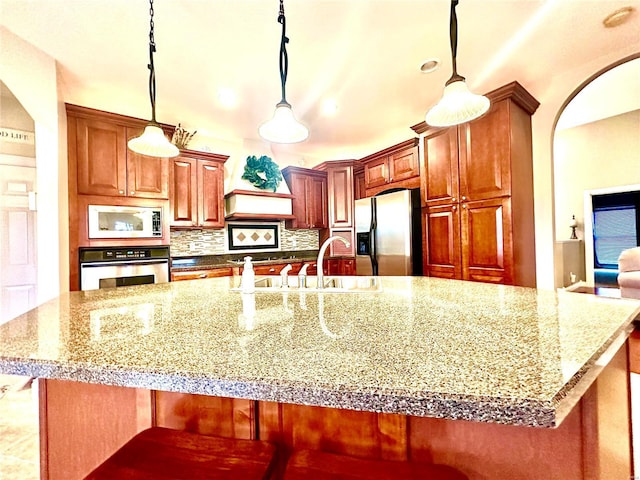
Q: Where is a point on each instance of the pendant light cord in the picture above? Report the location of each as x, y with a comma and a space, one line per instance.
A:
284, 57
150, 66
453, 37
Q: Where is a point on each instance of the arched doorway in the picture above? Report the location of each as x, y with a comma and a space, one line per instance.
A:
596, 150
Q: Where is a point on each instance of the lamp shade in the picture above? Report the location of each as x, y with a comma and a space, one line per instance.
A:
457, 105
283, 127
153, 143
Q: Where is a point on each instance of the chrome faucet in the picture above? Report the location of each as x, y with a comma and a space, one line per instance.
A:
323, 249
284, 275
302, 276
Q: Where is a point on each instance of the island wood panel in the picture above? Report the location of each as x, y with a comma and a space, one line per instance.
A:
82, 424
217, 416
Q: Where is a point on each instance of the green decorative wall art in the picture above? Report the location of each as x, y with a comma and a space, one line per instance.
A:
262, 173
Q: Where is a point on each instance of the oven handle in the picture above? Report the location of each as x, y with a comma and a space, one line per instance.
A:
124, 262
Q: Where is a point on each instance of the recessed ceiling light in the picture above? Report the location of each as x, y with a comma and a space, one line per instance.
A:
618, 17
227, 98
329, 107
430, 65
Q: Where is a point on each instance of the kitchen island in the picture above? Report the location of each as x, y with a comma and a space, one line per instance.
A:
498, 381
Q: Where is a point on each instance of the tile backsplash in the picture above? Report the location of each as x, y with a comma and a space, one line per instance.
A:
212, 241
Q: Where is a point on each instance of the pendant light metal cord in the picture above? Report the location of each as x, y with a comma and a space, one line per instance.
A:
152, 70
453, 37
284, 57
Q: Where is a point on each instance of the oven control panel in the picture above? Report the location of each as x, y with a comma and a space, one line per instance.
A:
113, 254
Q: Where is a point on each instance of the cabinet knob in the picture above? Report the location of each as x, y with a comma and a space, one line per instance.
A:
454, 208
121, 192
202, 275
272, 270
464, 206
132, 192
464, 198
453, 199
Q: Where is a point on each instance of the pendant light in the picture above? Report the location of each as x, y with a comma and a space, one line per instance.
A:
153, 142
458, 104
283, 127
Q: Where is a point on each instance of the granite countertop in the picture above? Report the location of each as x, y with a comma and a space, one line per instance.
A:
422, 346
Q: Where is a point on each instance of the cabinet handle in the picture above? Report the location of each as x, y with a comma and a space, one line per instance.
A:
202, 275
272, 270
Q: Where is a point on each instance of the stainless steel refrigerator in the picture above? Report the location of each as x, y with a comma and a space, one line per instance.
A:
389, 234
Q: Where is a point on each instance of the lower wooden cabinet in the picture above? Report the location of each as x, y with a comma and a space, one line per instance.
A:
341, 266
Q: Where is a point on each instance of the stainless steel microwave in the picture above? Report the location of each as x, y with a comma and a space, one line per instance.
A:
113, 221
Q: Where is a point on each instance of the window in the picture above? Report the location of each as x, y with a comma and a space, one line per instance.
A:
615, 227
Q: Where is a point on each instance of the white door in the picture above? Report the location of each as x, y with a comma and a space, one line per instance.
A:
18, 259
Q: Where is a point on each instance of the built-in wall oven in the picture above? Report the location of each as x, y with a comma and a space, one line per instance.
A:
120, 266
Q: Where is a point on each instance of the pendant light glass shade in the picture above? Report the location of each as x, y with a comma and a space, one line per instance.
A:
283, 127
457, 105
153, 143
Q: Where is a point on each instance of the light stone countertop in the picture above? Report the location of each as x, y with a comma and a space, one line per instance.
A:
422, 346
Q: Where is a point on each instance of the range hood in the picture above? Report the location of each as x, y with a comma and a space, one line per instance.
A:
243, 201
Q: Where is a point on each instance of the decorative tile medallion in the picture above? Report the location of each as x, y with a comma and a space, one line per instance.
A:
242, 236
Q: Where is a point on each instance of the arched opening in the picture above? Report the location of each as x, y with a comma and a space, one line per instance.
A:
596, 149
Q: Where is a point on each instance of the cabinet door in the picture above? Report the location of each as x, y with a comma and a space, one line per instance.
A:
147, 177
316, 196
485, 166
210, 193
298, 186
376, 172
439, 184
348, 266
340, 184
183, 192
404, 165
441, 231
102, 157
486, 241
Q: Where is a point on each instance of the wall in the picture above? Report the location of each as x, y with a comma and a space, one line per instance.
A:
32, 77
597, 155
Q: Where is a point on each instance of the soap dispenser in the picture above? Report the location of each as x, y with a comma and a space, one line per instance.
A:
248, 282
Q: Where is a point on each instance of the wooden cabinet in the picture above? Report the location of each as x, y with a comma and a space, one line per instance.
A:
395, 167
477, 194
105, 166
200, 274
359, 188
340, 186
341, 266
197, 190
309, 205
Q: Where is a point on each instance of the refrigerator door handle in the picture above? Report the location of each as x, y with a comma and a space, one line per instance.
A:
372, 238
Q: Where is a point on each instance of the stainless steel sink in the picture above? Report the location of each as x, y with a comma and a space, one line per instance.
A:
331, 284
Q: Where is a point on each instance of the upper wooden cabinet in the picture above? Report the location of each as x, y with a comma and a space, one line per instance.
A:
340, 185
359, 188
105, 166
394, 167
477, 194
309, 205
197, 190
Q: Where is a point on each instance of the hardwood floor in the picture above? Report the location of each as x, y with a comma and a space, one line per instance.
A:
19, 442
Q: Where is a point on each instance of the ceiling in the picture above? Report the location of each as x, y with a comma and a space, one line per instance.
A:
364, 54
